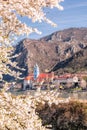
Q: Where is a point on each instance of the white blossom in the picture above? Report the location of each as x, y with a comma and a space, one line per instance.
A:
33, 9
18, 112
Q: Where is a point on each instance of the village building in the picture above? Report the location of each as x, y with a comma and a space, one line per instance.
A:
29, 81
40, 80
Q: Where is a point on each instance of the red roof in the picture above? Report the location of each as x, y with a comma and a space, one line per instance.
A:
30, 77
43, 75
40, 77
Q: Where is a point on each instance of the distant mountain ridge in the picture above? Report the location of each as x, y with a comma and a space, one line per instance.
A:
61, 51
67, 35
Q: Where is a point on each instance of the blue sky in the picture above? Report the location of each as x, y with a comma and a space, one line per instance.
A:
73, 15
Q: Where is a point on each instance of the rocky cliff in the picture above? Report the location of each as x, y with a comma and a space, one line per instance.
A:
60, 51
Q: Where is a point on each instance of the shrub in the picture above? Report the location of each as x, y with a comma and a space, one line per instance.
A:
69, 116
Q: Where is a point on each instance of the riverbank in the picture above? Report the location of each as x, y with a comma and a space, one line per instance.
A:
61, 94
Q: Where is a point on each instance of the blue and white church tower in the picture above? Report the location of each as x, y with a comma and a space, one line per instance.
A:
36, 71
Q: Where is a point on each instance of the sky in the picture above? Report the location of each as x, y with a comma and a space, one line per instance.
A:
73, 15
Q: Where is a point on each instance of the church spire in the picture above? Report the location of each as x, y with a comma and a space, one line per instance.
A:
36, 71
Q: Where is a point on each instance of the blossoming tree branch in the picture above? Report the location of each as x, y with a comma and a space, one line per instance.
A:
10, 26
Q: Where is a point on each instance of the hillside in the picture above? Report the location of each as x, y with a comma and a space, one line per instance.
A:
60, 51
77, 62
68, 35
